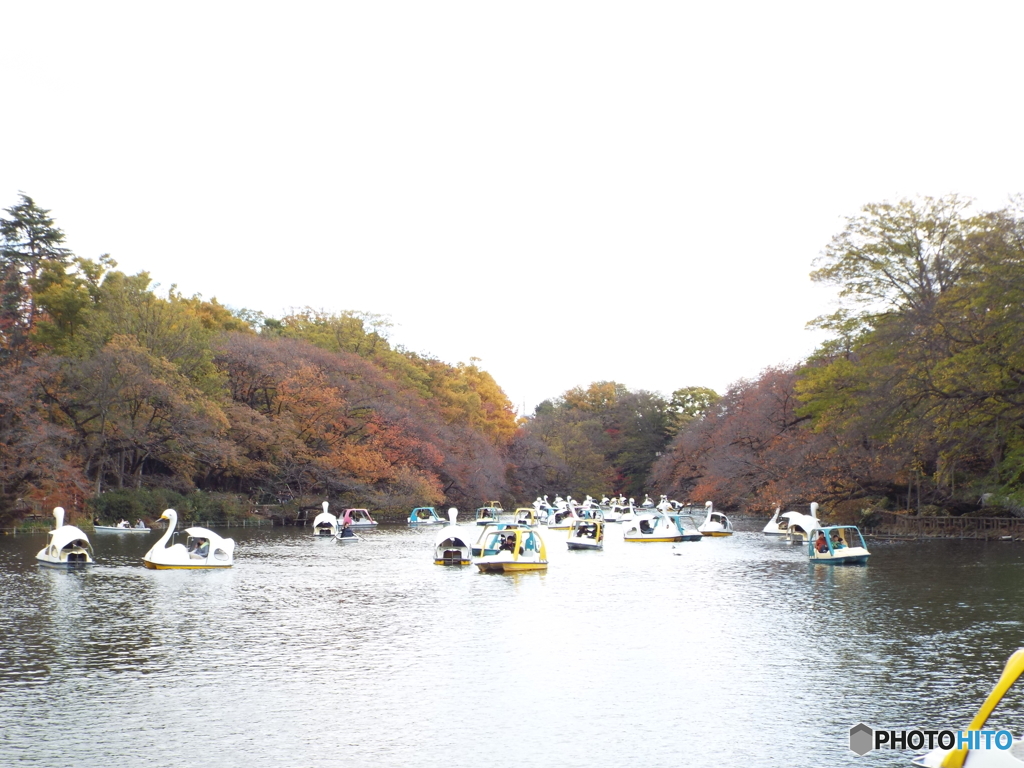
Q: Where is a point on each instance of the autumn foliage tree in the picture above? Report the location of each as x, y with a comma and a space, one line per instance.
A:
108, 385
917, 400
598, 439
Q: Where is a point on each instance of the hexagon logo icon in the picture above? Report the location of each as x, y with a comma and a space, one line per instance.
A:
861, 738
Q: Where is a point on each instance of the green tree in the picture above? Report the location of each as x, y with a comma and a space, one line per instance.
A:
29, 242
688, 404
928, 349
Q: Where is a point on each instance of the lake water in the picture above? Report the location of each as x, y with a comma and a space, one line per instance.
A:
736, 652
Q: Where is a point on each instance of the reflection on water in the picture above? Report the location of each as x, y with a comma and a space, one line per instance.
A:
309, 653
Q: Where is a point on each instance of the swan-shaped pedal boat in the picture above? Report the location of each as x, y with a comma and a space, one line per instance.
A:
66, 546
325, 525
715, 523
205, 549
799, 525
652, 526
1008, 756
450, 545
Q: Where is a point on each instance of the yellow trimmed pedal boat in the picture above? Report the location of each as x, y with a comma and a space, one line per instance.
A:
205, 549
66, 547
515, 549
450, 545
325, 526
586, 534
715, 523
652, 526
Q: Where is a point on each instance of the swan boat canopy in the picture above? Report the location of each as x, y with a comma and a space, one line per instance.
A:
325, 525
799, 526
517, 549
652, 526
66, 545
451, 548
586, 534
978, 756
715, 523
837, 545
204, 549
360, 518
426, 516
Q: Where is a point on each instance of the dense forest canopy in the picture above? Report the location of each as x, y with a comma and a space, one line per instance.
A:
107, 385
915, 401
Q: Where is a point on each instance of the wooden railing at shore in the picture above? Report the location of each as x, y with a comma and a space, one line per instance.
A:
257, 522
890, 524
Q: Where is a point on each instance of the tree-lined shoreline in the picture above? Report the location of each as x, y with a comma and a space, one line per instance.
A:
113, 397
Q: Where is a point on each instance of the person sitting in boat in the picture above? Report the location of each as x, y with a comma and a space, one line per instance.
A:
508, 543
123, 524
837, 541
139, 524
201, 548
821, 544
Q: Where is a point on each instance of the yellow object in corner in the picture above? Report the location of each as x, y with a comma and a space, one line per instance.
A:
1013, 669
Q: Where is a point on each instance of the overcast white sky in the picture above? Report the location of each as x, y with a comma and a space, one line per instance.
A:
570, 191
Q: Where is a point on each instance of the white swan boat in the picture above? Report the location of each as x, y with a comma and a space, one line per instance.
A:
325, 525
586, 534
652, 526
1001, 752
715, 523
515, 549
837, 545
450, 545
122, 527
799, 527
204, 549
617, 513
66, 545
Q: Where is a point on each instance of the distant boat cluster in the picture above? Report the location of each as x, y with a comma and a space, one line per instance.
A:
497, 541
